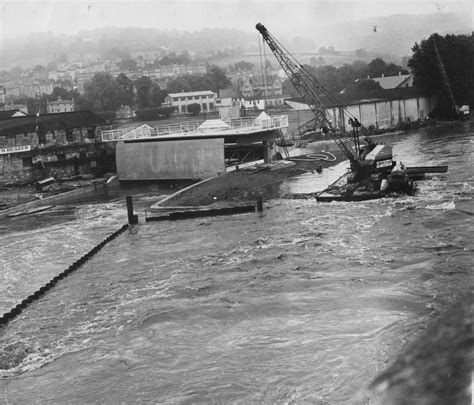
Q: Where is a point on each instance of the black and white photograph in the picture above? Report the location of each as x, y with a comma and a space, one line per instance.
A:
236, 202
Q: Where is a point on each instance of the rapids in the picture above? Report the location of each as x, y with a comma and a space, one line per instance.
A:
306, 303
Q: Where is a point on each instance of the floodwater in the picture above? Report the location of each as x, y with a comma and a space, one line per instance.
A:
304, 304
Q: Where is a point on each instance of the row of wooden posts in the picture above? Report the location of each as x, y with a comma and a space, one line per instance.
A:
133, 218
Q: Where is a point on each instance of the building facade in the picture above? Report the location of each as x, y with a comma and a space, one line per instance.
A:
261, 87
380, 109
206, 99
59, 106
51, 145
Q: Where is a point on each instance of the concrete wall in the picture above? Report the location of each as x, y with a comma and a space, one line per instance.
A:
380, 114
169, 160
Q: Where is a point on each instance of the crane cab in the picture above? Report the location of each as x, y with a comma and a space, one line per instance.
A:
380, 159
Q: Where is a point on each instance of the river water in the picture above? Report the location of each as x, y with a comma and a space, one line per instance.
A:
304, 304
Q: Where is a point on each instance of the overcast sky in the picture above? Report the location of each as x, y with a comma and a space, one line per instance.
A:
19, 17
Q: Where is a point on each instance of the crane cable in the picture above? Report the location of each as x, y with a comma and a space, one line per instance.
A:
261, 64
313, 80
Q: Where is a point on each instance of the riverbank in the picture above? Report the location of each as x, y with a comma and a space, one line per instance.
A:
435, 368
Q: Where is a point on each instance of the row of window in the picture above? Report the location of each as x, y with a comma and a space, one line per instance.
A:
28, 161
189, 98
182, 108
69, 135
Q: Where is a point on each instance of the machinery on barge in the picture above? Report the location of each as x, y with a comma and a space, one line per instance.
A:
373, 172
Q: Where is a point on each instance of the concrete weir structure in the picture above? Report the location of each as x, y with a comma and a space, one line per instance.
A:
188, 150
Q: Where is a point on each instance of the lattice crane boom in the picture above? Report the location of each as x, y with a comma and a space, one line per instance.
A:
306, 84
444, 76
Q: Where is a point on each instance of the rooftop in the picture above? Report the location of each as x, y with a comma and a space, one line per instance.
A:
11, 113
391, 82
339, 99
60, 101
50, 122
189, 129
192, 93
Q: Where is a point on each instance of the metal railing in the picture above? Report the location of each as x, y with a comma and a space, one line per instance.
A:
239, 125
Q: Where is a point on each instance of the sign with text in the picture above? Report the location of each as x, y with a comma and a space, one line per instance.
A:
384, 163
15, 149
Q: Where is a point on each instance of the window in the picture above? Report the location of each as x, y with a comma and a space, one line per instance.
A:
211, 106
41, 136
27, 162
69, 135
91, 133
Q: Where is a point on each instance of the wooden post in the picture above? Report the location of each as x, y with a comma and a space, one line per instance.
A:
259, 204
132, 219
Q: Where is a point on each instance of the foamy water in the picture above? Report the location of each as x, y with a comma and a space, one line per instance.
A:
305, 304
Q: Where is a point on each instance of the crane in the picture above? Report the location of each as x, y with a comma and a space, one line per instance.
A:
373, 171
444, 76
308, 86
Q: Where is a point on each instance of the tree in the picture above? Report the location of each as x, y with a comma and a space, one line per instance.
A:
101, 93
214, 80
38, 69
179, 85
218, 78
376, 67
148, 93
128, 65
146, 114
456, 53
194, 108
243, 65
363, 85
125, 89
59, 92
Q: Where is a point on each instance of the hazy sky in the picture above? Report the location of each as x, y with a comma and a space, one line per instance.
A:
18, 17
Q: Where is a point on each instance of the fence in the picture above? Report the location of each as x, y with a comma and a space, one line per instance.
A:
196, 128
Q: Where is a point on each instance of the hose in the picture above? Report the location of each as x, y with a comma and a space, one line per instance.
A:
311, 157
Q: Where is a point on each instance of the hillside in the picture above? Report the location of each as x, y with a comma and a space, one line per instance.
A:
395, 36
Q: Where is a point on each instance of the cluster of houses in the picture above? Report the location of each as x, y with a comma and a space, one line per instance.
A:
74, 76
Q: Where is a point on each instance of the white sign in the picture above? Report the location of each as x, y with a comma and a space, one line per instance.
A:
15, 149
384, 163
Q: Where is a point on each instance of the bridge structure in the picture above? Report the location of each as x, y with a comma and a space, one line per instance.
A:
193, 149
250, 129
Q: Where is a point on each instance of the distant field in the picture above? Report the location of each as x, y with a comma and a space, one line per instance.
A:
304, 57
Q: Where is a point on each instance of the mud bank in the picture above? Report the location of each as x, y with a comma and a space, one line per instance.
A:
246, 185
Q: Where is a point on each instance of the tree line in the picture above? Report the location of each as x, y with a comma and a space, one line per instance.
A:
105, 94
456, 52
335, 79
457, 55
